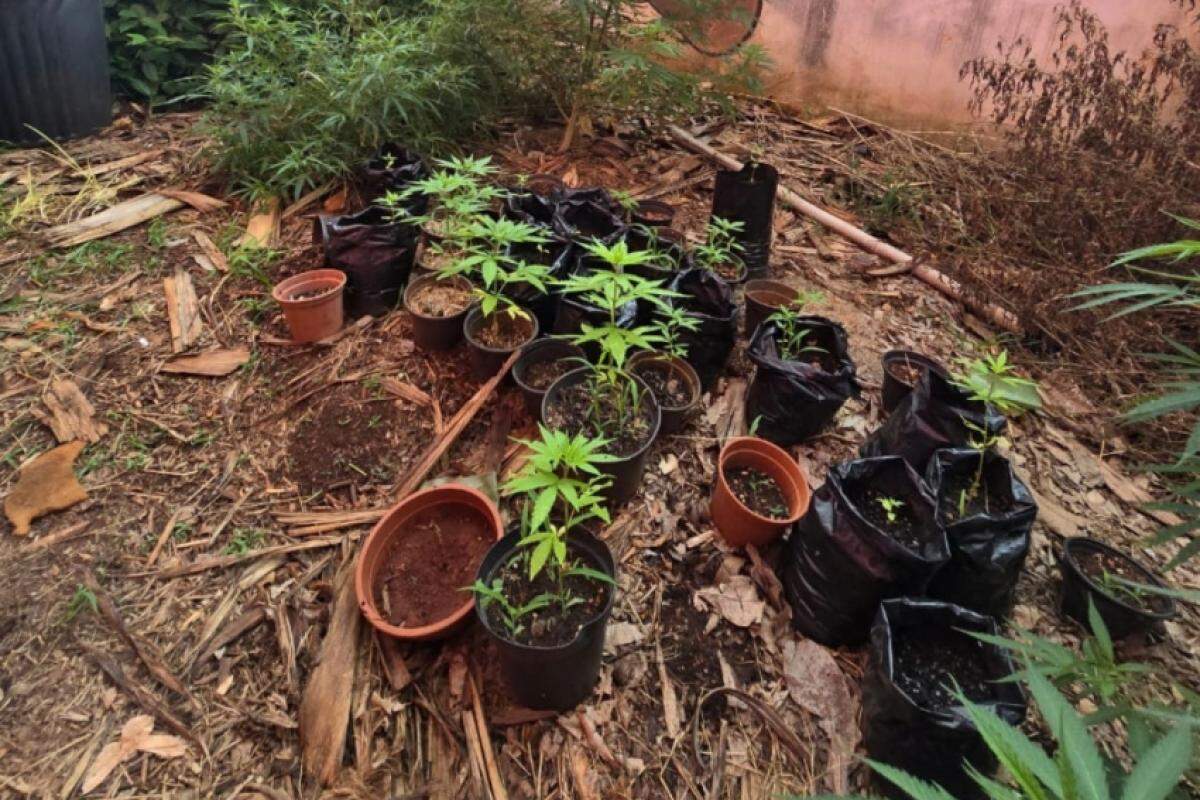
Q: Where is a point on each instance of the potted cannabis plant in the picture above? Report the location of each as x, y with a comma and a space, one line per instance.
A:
545, 592
673, 380
721, 252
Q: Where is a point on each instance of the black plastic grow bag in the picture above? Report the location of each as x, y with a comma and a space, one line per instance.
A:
375, 253
748, 196
53, 70
709, 301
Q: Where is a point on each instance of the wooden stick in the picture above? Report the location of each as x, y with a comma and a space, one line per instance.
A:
220, 562
495, 783
139, 695
926, 274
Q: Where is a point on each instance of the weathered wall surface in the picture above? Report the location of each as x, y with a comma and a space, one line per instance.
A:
901, 58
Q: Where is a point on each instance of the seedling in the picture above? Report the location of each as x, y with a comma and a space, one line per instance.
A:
487, 255
626, 200
982, 442
721, 247
244, 540
891, 507
793, 338
671, 323
1121, 588
991, 379
754, 425
84, 599
511, 615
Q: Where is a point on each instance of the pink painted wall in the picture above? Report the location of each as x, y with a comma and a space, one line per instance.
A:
900, 58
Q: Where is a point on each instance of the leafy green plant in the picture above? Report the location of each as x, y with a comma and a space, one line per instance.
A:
891, 506
488, 255
84, 599
992, 379
244, 540
562, 471
158, 48
793, 338
721, 252
671, 323
511, 615
982, 441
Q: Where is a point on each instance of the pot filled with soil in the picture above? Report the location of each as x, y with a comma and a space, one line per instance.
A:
803, 376
748, 196
493, 338
901, 371
414, 564
758, 494
675, 385
654, 213
669, 254
540, 365
585, 214
763, 298
392, 169
435, 255
375, 251
708, 301
438, 306
988, 515
627, 415
871, 532
1097, 573
312, 303
912, 719
549, 657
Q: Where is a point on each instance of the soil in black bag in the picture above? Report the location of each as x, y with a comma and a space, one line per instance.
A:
392, 169
709, 301
535, 209
912, 718
988, 516
557, 255
551, 626
794, 399
848, 552
586, 214
376, 254
748, 196
937, 414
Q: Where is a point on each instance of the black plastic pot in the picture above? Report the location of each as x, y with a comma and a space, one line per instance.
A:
654, 213
53, 70
486, 361
709, 301
587, 214
894, 389
1122, 619
531, 207
933, 744
989, 546
626, 473
795, 400
554, 678
571, 313
673, 417
748, 196
646, 238
539, 352
763, 298
376, 254
392, 169
434, 333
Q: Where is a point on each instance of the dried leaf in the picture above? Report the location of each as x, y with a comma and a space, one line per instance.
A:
71, 415
736, 600
816, 684
137, 734
46, 484
213, 363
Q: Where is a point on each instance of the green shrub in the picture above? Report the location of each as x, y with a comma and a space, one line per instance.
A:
158, 48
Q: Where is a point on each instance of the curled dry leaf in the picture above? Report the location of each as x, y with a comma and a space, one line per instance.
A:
736, 600
816, 684
137, 735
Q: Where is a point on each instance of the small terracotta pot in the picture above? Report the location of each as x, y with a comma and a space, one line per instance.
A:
435, 333
673, 417
486, 360
317, 317
737, 524
393, 525
763, 298
894, 389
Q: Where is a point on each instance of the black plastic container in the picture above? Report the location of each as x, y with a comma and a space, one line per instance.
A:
392, 169
434, 333
486, 361
709, 301
675, 256
539, 352
655, 213
673, 417
558, 256
551, 678
894, 389
931, 744
375, 252
53, 70
626, 473
748, 196
1122, 619
988, 547
587, 214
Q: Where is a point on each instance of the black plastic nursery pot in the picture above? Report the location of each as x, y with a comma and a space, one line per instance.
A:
654, 213
709, 301
375, 252
1083, 562
659, 370
541, 363
53, 70
586, 214
989, 529
937, 414
840, 562
531, 207
429, 331
486, 359
392, 169
901, 371
911, 719
552, 678
794, 400
748, 196
626, 472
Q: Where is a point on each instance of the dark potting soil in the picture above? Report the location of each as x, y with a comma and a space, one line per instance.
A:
541, 374
1097, 565
905, 372
929, 661
441, 299
907, 530
758, 491
981, 501
426, 569
504, 332
549, 626
670, 390
582, 409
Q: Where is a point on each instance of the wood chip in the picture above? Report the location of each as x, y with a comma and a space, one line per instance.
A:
669, 702
71, 415
183, 310
263, 228
120, 217
211, 251
212, 363
198, 201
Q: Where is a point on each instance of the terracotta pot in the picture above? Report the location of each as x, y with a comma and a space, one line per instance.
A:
435, 333
394, 527
539, 352
763, 298
673, 417
1121, 618
737, 524
315, 317
486, 360
895, 389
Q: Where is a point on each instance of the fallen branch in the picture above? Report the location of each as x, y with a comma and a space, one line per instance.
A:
148, 702
928, 275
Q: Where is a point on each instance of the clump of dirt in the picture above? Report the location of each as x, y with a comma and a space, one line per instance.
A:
441, 299
669, 388
757, 491
353, 435
906, 528
551, 626
428, 565
928, 663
